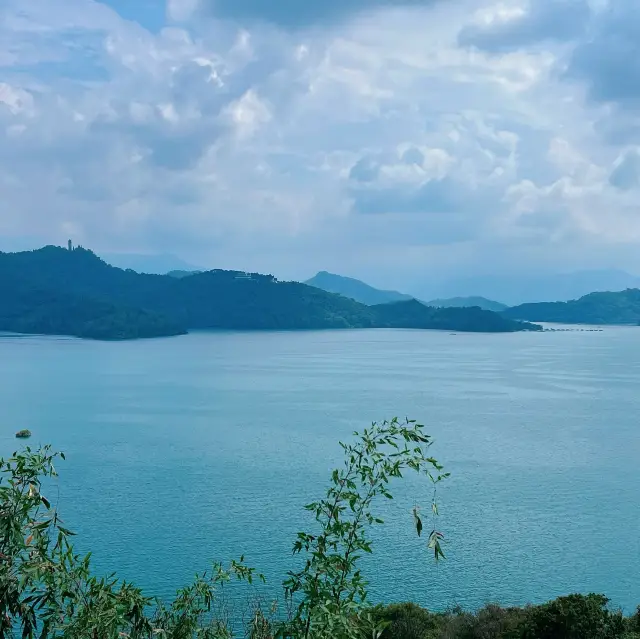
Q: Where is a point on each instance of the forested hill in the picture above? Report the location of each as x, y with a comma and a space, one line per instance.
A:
414, 314
29, 308
53, 290
596, 308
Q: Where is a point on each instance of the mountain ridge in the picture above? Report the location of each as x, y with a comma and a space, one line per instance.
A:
354, 289
214, 299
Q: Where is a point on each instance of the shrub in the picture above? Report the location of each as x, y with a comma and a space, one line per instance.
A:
490, 622
408, 621
574, 617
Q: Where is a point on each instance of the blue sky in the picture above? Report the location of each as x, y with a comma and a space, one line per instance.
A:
383, 139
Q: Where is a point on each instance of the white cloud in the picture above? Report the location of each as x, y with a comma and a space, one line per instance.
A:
181, 10
248, 113
244, 145
16, 100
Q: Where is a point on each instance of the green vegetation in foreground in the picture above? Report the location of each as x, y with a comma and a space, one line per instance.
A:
47, 590
467, 302
596, 308
570, 617
56, 291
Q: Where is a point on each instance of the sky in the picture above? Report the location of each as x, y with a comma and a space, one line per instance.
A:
388, 140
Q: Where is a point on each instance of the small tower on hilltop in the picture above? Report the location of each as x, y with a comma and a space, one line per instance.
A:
70, 245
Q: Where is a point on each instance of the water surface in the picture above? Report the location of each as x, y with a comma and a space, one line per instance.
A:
185, 450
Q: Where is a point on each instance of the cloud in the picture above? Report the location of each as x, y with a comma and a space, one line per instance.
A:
181, 10
506, 28
626, 170
609, 59
397, 139
430, 189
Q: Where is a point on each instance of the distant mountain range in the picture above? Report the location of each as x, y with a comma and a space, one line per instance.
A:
596, 308
621, 307
56, 291
365, 294
355, 289
520, 288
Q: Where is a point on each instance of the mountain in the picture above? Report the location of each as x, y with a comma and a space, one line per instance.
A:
467, 302
521, 288
154, 264
355, 289
53, 290
596, 308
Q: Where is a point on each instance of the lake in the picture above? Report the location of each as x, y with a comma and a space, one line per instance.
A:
186, 450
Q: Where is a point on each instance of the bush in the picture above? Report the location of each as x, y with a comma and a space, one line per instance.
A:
574, 617
490, 622
408, 621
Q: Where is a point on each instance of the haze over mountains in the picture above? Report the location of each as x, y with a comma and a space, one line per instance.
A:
493, 293
622, 307
361, 292
355, 289
520, 288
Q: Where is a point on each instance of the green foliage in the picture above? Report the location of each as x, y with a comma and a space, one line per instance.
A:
596, 308
490, 622
408, 621
574, 617
330, 587
634, 622
55, 291
47, 590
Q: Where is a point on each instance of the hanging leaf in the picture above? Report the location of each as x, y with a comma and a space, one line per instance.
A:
417, 520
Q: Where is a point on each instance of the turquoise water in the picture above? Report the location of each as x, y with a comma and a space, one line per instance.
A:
186, 450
